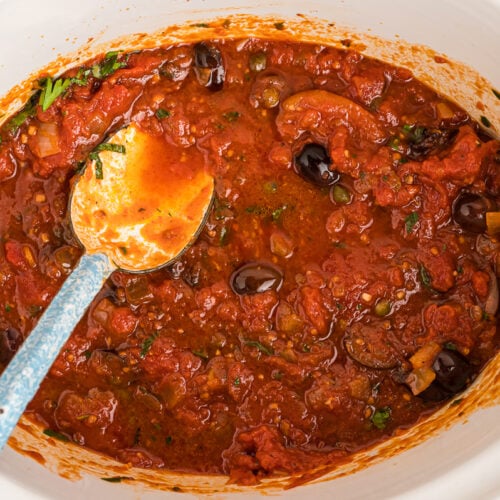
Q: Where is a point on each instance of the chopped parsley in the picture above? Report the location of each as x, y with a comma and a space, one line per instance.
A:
485, 121
237, 381
279, 26
56, 435
380, 417
29, 110
108, 65
231, 116
262, 348
424, 276
168, 440
123, 250
51, 90
410, 221
146, 345
94, 156
201, 353
162, 113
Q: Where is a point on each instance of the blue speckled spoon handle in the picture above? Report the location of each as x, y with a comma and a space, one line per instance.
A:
24, 374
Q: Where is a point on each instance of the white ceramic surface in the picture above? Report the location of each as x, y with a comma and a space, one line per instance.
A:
461, 463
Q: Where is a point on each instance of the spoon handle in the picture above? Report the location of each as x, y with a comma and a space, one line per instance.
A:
25, 372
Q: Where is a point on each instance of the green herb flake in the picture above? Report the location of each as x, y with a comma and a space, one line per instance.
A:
168, 440
231, 116
410, 222
380, 417
87, 353
56, 435
162, 113
450, 345
123, 250
201, 353
280, 26
15, 122
98, 165
485, 121
277, 375
200, 25
306, 348
116, 479
262, 348
51, 90
424, 276
496, 93
276, 214
146, 345
236, 381
226, 23
8, 308
108, 65
109, 146
456, 402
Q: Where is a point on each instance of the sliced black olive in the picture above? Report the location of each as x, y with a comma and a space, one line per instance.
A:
256, 277
453, 373
314, 165
424, 141
469, 211
10, 340
208, 66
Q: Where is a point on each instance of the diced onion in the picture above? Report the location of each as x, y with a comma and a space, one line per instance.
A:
46, 141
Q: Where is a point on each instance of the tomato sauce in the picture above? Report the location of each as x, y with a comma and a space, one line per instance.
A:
344, 286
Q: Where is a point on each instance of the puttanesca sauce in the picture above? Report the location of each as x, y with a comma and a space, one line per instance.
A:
343, 287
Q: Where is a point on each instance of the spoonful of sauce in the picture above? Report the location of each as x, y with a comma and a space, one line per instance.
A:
131, 210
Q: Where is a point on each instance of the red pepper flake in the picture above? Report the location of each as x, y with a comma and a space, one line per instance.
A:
441, 60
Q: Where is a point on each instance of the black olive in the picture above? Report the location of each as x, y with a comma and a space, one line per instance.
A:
469, 211
256, 277
313, 164
10, 340
208, 66
424, 141
453, 373
452, 370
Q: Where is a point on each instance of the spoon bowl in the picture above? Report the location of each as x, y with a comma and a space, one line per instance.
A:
130, 209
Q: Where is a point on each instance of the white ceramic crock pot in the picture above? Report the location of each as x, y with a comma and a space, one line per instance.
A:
460, 462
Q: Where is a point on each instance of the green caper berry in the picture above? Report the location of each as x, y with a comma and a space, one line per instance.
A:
341, 195
270, 97
382, 307
258, 61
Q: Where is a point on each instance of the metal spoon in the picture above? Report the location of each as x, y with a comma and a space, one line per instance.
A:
130, 210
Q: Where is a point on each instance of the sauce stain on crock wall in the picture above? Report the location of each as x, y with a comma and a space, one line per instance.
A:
453, 79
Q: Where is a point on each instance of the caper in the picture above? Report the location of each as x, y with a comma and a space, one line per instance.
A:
270, 97
258, 61
382, 307
340, 194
